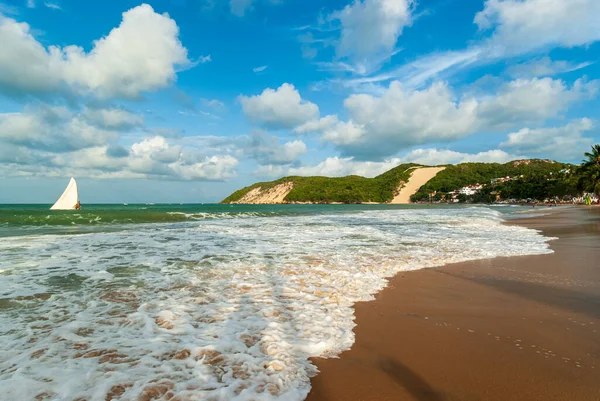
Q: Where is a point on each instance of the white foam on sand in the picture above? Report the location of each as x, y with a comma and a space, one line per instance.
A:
214, 309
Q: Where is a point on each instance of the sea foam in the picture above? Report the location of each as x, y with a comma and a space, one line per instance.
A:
214, 309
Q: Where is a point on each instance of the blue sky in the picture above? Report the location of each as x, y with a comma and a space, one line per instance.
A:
188, 100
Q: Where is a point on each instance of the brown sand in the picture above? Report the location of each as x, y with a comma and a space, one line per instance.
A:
522, 328
419, 177
273, 195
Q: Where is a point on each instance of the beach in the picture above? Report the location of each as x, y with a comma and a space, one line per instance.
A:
518, 328
221, 302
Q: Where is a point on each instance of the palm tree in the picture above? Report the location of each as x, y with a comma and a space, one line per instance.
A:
593, 157
590, 169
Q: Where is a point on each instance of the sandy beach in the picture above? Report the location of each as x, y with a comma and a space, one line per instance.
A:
520, 328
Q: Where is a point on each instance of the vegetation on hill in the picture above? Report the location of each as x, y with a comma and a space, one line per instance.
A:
531, 179
350, 189
461, 175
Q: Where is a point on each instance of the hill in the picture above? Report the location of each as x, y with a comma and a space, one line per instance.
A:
350, 189
383, 188
461, 175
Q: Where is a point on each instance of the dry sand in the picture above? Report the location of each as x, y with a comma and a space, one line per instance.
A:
418, 178
273, 195
522, 328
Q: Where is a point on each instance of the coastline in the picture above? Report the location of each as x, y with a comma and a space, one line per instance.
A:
525, 327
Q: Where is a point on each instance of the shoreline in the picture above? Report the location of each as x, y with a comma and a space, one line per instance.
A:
523, 327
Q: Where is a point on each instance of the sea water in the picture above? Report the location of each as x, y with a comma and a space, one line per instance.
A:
209, 302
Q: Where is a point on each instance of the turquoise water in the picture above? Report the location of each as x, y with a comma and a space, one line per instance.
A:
220, 302
36, 219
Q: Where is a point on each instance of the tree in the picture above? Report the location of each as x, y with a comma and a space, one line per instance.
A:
590, 170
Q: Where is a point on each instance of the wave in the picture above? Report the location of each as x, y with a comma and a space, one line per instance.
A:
218, 309
141, 216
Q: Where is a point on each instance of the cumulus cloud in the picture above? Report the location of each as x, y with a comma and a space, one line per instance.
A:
279, 108
152, 157
380, 126
113, 118
531, 100
432, 157
55, 129
520, 26
319, 125
343, 166
266, 149
142, 54
370, 30
566, 142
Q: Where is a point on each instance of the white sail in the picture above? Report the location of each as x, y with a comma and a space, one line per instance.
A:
68, 199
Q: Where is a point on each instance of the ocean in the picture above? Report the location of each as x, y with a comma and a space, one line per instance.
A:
209, 302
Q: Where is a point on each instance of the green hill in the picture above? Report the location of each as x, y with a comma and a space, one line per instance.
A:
350, 189
382, 189
460, 175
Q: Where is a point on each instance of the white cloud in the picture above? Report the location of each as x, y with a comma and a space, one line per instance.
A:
382, 125
320, 125
433, 157
544, 67
566, 142
141, 54
370, 30
53, 129
525, 101
260, 69
30, 4
113, 118
345, 133
205, 59
280, 108
266, 149
156, 157
509, 28
153, 158
520, 26
401, 118
340, 167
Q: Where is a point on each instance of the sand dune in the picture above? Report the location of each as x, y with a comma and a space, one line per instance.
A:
273, 195
418, 178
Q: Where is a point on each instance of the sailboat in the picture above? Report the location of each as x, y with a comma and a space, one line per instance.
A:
69, 200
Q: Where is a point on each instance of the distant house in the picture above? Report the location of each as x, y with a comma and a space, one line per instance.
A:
470, 190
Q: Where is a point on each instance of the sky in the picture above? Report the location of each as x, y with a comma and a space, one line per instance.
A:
190, 100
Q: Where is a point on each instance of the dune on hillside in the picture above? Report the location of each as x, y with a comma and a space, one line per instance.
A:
419, 177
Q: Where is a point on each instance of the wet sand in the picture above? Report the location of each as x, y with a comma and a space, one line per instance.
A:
521, 328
